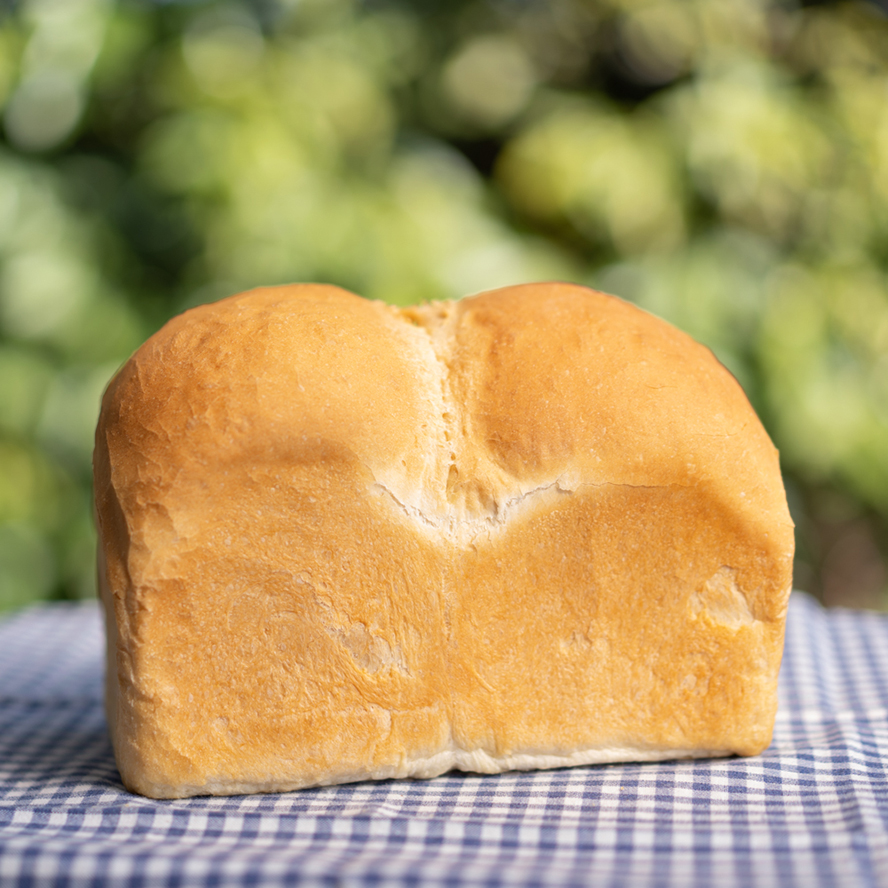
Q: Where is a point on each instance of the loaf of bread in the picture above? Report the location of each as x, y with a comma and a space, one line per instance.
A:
340, 540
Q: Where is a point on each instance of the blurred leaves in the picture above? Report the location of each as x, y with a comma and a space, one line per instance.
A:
611, 176
723, 163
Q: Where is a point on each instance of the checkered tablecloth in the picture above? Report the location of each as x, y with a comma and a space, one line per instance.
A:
811, 811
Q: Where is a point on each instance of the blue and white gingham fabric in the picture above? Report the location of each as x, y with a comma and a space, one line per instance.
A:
811, 811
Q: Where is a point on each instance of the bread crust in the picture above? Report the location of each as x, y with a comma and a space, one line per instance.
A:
341, 540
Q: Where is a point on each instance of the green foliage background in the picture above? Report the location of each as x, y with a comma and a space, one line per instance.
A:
722, 163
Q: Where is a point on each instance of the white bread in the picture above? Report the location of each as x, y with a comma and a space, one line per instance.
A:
340, 540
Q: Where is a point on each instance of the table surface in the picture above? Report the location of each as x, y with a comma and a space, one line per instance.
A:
810, 811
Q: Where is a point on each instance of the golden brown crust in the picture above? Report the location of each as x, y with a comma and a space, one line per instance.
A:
341, 540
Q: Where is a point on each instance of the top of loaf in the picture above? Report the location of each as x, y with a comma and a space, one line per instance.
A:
459, 411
